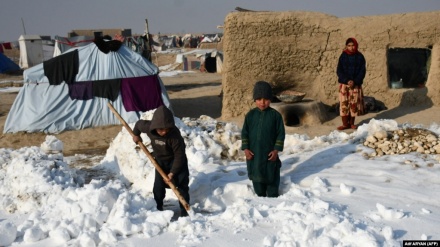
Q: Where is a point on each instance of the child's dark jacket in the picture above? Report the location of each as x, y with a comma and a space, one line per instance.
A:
168, 148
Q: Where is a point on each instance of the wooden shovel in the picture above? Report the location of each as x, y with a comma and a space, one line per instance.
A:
156, 165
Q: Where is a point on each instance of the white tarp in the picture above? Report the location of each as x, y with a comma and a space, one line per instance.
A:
197, 53
48, 51
41, 107
214, 56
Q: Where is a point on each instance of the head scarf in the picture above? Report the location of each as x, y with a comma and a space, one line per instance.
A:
356, 46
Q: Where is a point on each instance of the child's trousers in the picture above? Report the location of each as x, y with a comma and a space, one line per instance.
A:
181, 181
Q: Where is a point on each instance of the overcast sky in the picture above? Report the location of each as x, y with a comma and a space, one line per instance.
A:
58, 17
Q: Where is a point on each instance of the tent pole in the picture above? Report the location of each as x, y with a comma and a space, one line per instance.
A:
148, 43
147, 31
155, 164
24, 29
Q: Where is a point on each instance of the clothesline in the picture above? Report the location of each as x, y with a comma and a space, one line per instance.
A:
68, 42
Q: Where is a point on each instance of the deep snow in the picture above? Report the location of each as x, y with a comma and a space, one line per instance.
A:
332, 194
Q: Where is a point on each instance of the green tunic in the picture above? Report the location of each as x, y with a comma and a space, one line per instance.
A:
263, 132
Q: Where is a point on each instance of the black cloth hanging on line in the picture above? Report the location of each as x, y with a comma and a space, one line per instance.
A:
107, 88
62, 68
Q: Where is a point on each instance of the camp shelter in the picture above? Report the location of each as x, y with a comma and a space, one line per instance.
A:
208, 38
210, 59
213, 62
31, 51
7, 65
48, 49
41, 106
168, 42
62, 44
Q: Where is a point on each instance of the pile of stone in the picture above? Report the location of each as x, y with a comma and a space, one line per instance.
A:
403, 141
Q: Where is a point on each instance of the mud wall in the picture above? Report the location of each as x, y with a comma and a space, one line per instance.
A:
299, 50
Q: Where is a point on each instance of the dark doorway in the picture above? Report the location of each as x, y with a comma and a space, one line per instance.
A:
408, 67
211, 64
292, 120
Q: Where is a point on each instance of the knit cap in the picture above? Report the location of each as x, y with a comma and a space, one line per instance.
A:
262, 89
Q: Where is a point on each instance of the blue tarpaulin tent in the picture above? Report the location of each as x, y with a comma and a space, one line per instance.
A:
7, 65
43, 107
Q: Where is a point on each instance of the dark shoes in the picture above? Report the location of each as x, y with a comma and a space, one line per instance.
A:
183, 213
347, 123
343, 127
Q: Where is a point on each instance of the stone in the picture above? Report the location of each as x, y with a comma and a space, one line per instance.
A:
371, 139
381, 134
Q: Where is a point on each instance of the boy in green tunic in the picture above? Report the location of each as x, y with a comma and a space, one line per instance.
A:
262, 138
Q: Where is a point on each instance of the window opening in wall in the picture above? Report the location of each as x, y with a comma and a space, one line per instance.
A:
408, 67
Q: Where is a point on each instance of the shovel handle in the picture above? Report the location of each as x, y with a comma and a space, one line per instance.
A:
155, 164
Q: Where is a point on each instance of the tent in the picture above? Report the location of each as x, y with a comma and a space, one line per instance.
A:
213, 62
7, 65
208, 38
168, 42
31, 51
209, 60
44, 106
48, 49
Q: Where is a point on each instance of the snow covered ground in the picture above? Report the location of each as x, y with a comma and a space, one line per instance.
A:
332, 194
